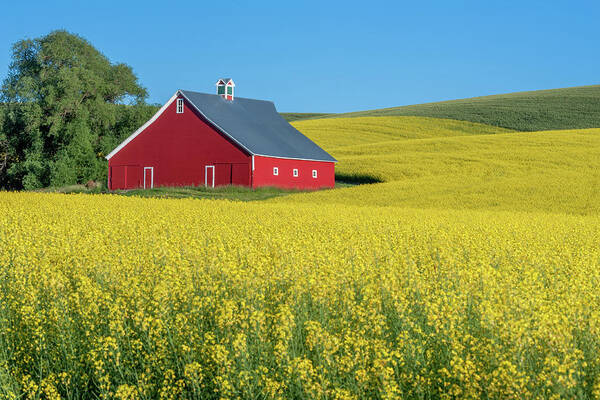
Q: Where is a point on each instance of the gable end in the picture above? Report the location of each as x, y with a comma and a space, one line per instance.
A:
161, 111
142, 128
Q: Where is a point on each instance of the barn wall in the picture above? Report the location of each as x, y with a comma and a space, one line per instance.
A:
178, 147
263, 173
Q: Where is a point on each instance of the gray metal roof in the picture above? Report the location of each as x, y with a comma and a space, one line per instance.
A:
256, 126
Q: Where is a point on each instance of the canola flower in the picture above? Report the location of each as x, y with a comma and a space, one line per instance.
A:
114, 297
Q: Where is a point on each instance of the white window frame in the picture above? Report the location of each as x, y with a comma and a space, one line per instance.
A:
295, 172
151, 177
314, 174
179, 106
275, 171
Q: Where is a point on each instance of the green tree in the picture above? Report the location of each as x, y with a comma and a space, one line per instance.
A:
3, 146
65, 107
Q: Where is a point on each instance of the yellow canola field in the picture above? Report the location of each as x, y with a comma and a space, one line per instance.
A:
120, 297
437, 163
334, 133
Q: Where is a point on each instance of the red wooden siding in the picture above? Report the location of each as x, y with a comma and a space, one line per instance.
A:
179, 147
263, 173
125, 176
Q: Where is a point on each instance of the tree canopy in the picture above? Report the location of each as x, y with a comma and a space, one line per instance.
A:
65, 107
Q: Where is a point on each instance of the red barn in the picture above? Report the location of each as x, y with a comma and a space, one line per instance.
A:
214, 140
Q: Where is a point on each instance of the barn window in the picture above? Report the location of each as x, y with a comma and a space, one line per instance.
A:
221, 89
295, 172
179, 106
275, 171
229, 90
315, 173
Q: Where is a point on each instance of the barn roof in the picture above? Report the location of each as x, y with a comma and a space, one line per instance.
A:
256, 126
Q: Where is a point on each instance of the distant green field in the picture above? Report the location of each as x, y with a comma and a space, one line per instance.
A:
298, 116
568, 108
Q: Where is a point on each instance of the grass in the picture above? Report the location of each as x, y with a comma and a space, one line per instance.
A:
236, 193
566, 108
73, 189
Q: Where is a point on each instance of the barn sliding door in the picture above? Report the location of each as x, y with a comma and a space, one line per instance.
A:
222, 175
126, 177
209, 176
240, 174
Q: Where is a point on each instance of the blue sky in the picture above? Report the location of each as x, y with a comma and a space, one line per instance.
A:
320, 56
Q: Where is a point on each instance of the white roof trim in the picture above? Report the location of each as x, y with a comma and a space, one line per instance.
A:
230, 82
214, 124
142, 128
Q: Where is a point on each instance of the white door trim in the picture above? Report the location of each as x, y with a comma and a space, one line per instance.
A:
206, 175
151, 177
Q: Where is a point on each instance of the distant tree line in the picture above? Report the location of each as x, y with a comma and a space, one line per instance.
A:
63, 107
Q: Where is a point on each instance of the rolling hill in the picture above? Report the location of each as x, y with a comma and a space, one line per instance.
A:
333, 133
567, 108
299, 116
440, 163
